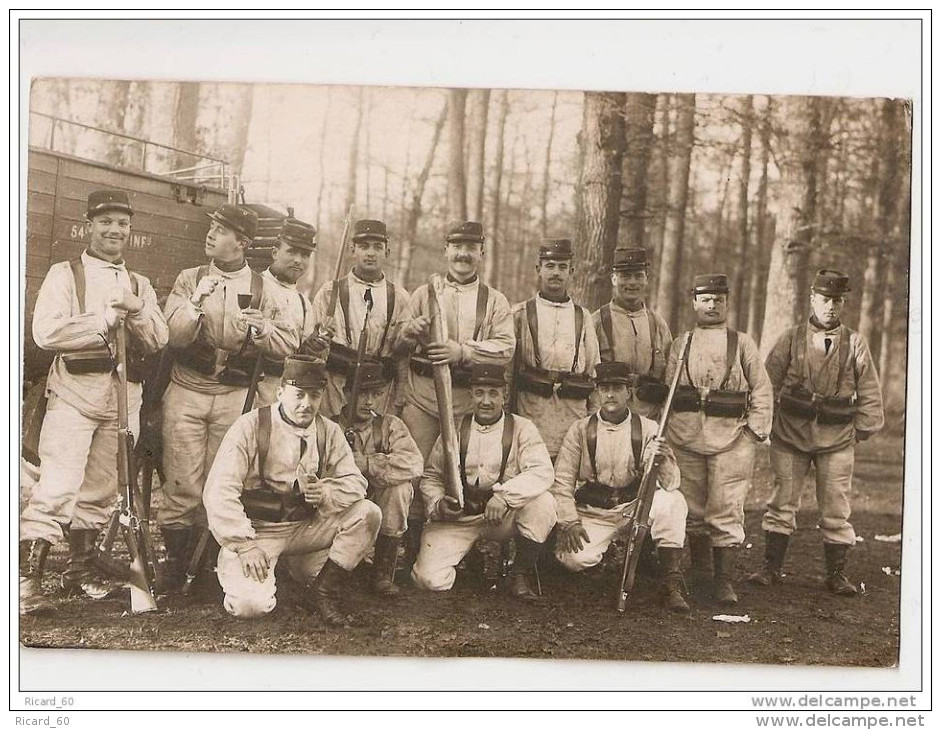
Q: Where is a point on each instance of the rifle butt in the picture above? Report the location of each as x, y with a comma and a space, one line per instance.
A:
636, 537
195, 560
142, 594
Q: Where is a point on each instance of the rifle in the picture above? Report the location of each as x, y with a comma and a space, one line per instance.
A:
639, 523
253, 385
338, 270
441, 374
353, 405
141, 574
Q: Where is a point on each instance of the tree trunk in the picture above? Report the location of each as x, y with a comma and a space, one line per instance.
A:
546, 181
353, 160
414, 213
491, 258
671, 255
759, 266
598, 197
738, 310
787, 272
659, 174
321, 183
638, 143
479, 107
368, 155
241, 111
457, 182
184, 126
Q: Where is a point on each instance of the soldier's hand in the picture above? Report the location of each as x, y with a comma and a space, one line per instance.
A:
572, 538
121, 298
417, 328
206, 286
253, 318
657, 448
326, 332
448, 509
113, 317
255, 564
449, 352
313, 491
496, 509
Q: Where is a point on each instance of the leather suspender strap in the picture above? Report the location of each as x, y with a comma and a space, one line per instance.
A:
78, 275
652, 332
591, 435
257, 285
263, 437
607, 327
689, 378
343, 287
201, 273
506, 444
843, 354
321, 445
731, 352
462, 447
637, 441
483, 294
390, 310
533, 321
377, 424
579, 326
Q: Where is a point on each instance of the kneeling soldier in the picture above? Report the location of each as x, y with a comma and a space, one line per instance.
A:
388, 457
506, 475
829, 398
597, 475
284, 482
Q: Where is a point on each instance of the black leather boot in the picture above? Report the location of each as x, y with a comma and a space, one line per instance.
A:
81, 574
523, 570
172, 573
412, 542
383, 566
837, 583
671, 562
32, 564
326, 592
700, 554
723, 559
775, 549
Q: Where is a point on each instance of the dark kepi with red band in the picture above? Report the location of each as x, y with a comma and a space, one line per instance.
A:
101, 201
556, 249
298, 234
607, 373
831, 283
487, 374
630, 259
370, 230
711, 284
465, 232
304, 371
243, 221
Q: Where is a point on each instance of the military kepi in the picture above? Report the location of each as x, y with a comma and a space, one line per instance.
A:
465, 232
556, 248
831, 283
607, 373
371, 376
711, 284
298, 234
367, 230
630, 259
487, 374
101, 201
304, 371
243, 221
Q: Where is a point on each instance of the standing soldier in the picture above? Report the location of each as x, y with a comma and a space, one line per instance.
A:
631, 333
289, 261
506, 475
597, 475
215, 342
556, 350
722, 408
480, 328
829, 398
389, 459
285, 484
345, 325
80, 305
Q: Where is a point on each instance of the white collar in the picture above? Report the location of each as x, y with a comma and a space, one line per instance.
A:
480, 428
567, 304
379, 282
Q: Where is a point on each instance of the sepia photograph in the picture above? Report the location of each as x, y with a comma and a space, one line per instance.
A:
611, 374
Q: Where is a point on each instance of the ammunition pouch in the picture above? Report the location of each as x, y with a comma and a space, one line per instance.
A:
267, 505
726, 403
571, 386
603, 496
91, 360
650, 390
687, 399
238, 370
475, 500
342, 361
460, 375
798, 402
833, 411
199, 356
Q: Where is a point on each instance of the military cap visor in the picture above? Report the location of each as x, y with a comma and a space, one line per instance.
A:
298, 234
465, 232
831, 282
236, 218
370, 230
372, 376
612, 373
304, 372
488, 375
556, 249
630, 259
101, 201
711, 284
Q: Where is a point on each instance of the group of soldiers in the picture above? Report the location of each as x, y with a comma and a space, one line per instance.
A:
553, 408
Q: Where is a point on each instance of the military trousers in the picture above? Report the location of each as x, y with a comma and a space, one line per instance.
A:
193, 427
394, 502
78, 482
667, 527
446, 542
343, 537
833, 476
715, 487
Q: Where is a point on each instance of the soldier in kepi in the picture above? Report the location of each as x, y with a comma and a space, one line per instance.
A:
387, 456
80, 305
480, 329
597, 475
721, 410
220, 316
284, 483
290, 260
828, 399
630, 332
505, 474
556, 350
364, 301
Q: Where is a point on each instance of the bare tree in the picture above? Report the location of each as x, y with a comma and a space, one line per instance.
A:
354, 155
321, 182
598, 196
639, 118
492, 258
185, 119
457, 182
477, 113
678, 190
657, 188
758, 266
739, 309
548, 166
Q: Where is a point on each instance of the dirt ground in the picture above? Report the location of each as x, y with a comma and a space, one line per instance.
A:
794, 623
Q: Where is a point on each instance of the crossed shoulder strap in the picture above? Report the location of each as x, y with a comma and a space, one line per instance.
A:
591, 435
506, 444
607, 326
